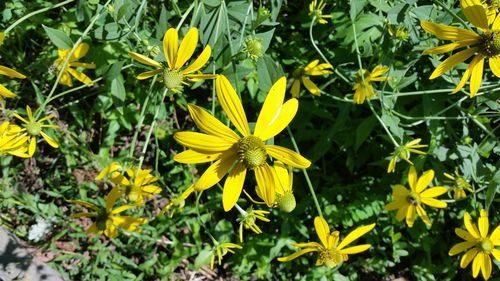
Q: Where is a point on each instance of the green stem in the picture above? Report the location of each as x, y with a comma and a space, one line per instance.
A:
63, 67
306, 175
153, 123
184, 16
321, 53
17, 22
451, 13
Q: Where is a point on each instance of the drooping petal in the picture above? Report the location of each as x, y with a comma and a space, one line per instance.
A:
475, 13
266, 183
148, 74
233, 186
495, 65
297, 254
288, 156
483, 223
477, 264
468, 256
32, 146
410, 215
143, 59
187, 47
216, 171
49, 140
271, 107
283, 176
452, 61
200, 61
11, 72
128, 223
203, 142
80, 76
211, 125
356, 249
322, 230
295, 90
421, 212
310, 86
460, 247
357, 233
463, 80
424, 180
486, 266
112, 197
83, 65
231, 104
447, 32
194, 157
170, 46
476, 74
4, 92
66, 80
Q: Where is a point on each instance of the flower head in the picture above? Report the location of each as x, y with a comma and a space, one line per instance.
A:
13, 141
314, 68
404, 151
136, 184
364, 78
458, 185
284, 198
107, 220
479, 246
220, 250
253, 47
246, 150
35, 128
331, 252
175, 75
249, 219
316, 11
4, 92
409, 202
177, 202
80, 51
492, 7
481, 45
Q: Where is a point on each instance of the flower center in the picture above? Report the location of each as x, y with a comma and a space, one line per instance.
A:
101, 219
331, 258
413, 198
172, 78
253, 47
34, 128
485, 245
286, 202
252, 152
490, 43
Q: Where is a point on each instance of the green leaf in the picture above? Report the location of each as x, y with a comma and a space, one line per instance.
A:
59, 38
363, 131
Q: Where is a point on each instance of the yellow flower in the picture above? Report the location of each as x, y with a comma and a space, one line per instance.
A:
13, 141
220, 250
178, 201
485, 44
80, 51
491, 7
107, 220
249, 221
458, 186
478, 244
331, 252
364, 89
220, 144
35, 128
316, 10
174, 75
399, 32
4, 92
409, 202
136, 184
404, 151
301, 74
284, 193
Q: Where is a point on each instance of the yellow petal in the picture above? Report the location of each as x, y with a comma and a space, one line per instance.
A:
195, 157
471, 228
147, 74
129, 224
271, 107
10, 72
266, 183
400, 192
233, 186
477, 264
83, 65
486, 266
144, 60
379, 70
496, 253
434, 191
80, 76
112, 197
401, 214
449, 47
322, 230
231, 104
200, 61
447, 32
187, 47
170, 45
310, 86
66, 80
483, 223
475, 13
284, 116
32, 146
288, 156
468, 256
476, 74
4, 92
311, 65
496, 23
495, 236
421, 212
465, 78
216, 171
295, 90
394, 205
284, 177
412, 178
464, 235
114, 166
433, 202
354, 235
85, 204
495, 65
410, 216
424, 180
211, 125
460, 247
49, 140
203, 142
121, 209
355, 250
80, 51
452, 61
297, 254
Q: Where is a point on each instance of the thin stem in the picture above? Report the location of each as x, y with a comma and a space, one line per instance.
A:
153, 123
321, 53
451, 13
306, 175
184, 16
35, 13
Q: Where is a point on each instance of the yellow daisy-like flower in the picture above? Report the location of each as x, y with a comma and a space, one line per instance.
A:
249, 220
174, 75
316, 10
4, 92
35, 128
485, 44
409, 202
404, 151
13, 141
80, 51
492, 7
479, 246
220, 250
136, 184
364, 78
314, 68
248, 151
458, 185
331, 252
107, 220
177, 202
